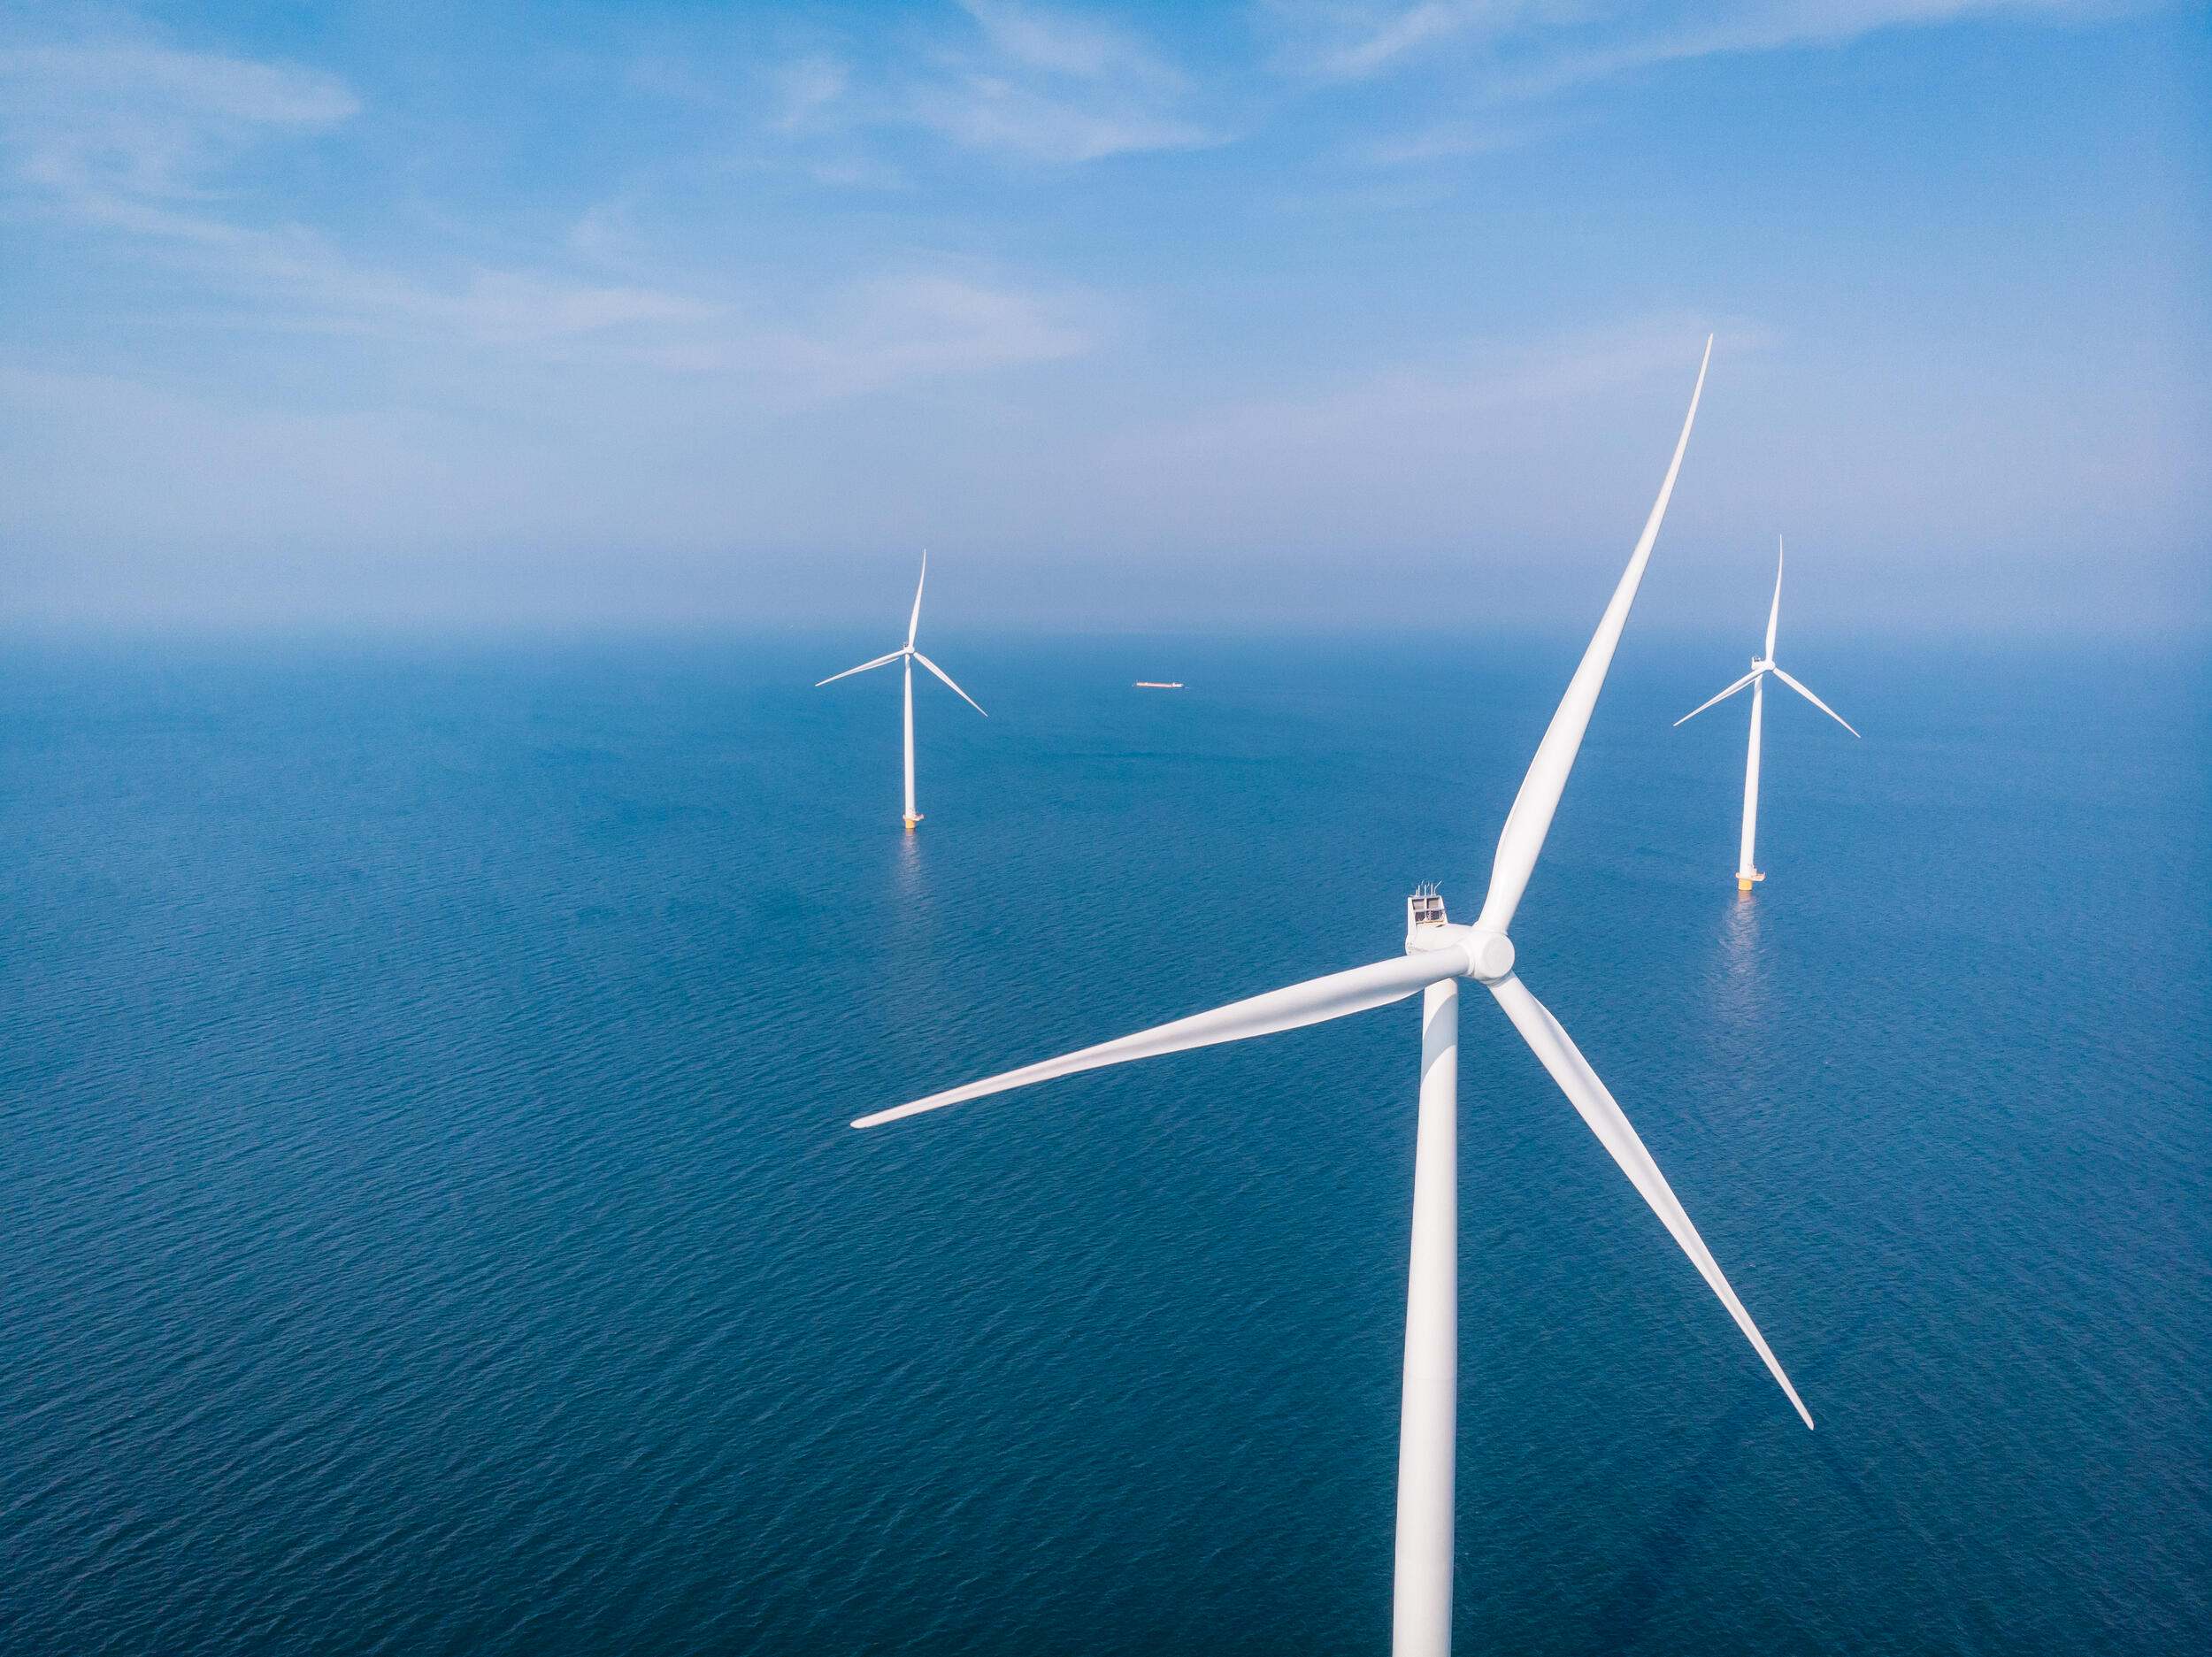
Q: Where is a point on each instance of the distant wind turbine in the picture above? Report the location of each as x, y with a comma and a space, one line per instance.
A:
1438, 954
908, 654
1747, 871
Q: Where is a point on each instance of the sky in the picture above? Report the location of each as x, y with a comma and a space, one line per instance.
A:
1304, 314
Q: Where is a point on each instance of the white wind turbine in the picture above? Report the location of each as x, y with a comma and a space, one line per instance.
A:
1747, 871
908, 654
1438, 954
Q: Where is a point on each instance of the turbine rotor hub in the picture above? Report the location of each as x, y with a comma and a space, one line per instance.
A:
1489, 957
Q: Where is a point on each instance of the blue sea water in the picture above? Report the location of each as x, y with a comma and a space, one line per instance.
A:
428, 1222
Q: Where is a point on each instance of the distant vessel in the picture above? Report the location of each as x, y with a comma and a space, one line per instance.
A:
1159, 684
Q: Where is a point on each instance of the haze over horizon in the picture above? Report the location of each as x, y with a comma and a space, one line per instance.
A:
1142, 318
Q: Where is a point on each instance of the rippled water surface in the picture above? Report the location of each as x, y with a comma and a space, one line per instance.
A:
427, 1222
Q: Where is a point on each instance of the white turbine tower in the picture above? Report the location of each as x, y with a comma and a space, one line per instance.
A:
1439, 953
909, 655
1747, 871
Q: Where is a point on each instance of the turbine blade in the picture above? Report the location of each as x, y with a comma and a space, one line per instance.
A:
1521, 839
1335, 996
1724, 696
1816, 701
863, 668
957, 691
1774, 615
1587, 1094
915, 620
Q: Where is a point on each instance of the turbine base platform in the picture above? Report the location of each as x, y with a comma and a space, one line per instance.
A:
912, 821
1743, 882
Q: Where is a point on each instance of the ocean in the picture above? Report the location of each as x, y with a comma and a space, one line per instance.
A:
428, 1222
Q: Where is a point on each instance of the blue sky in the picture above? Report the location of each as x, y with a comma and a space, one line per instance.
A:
1144, 317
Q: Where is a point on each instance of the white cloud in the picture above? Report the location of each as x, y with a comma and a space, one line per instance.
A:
888, 330
1052, 86
1036, 84
1065, 44
912, 327
138, 140
292, 279
1454, 140
1512, 426
486, 307
865, 335
1533, 47
1379, 41
806, 89
141, 142
135, 77
1493, 56
91, 122
991, 112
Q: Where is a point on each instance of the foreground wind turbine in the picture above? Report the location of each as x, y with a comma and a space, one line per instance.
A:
1438, 954
908, 654
1746, 872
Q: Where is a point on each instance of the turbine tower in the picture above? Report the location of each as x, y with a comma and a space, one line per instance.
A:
1747, 871
1438, 953
908, 655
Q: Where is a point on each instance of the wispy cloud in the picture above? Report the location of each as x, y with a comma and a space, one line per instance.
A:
1494, 58
148, 144
1351, 43
1466, 378
1488, 134
1086, 48
1054, 86
1507, 420
987, 111
1531, 47
142, 141
1038, 85
806, 89
95, 125
891, 330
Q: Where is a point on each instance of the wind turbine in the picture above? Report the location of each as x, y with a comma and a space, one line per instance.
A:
1746, 872
909, 655
1438, 954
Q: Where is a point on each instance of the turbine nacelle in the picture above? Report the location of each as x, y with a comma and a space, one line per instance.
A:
1489, 952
